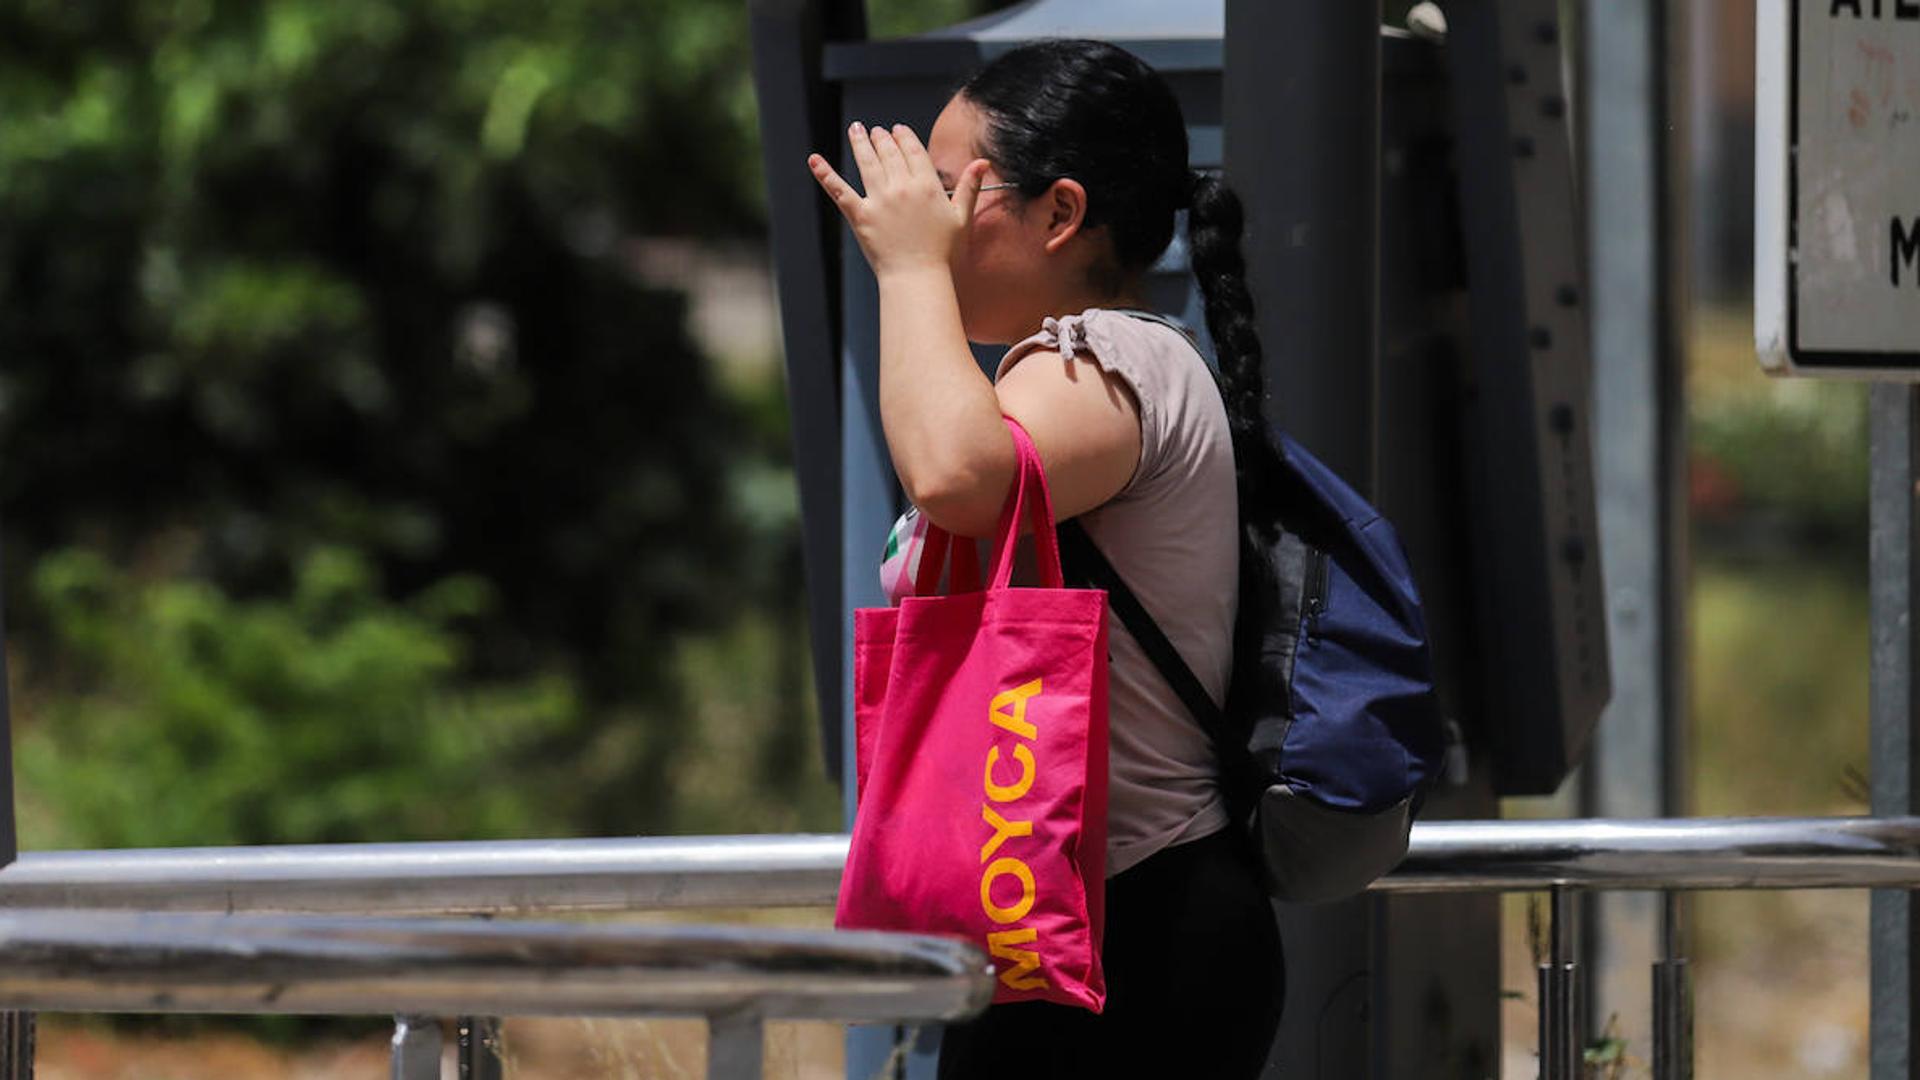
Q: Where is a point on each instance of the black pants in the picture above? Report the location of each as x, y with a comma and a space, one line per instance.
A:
1195, 981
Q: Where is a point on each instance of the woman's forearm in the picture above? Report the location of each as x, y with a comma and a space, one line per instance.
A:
940, 413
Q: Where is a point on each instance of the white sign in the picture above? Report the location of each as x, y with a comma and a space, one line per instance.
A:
1837, 188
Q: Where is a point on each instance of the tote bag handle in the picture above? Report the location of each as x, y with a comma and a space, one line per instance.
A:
1030, 492
933, 557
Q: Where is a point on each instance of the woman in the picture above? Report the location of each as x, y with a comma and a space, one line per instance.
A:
1047, 188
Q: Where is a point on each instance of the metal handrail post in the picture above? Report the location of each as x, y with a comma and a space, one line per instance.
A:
416, 1048
480, 1056
1672, 997
736, 1046
1560, 1005
16, 1045
1548, 996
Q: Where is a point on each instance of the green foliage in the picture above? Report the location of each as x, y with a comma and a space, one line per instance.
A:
1606, 1057
750, 766
1791, 456
184, 717
354, 274
339, 299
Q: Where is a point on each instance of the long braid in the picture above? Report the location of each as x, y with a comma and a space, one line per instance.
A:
1214, 225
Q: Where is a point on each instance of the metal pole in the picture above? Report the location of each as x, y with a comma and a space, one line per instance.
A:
799, 113
1893, 583
1550, 990
480, 1050
1639, 415
870, 497
1561, 1036
1672, 997
9, 839
416, 1048
1301, 107
1301, 99
16, 1045
736, 1047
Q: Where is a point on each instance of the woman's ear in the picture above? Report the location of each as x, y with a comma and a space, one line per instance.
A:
1066, 207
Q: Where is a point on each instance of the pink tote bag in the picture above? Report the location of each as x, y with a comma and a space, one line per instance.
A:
981, 755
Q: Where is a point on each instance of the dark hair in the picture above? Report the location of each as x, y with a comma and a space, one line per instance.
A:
1098, 114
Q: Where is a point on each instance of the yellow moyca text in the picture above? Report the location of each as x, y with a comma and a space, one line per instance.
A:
1007, 782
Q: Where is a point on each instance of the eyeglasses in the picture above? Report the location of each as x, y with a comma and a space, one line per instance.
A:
986, 188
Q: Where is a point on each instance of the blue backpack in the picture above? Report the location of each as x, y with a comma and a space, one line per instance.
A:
1332, 731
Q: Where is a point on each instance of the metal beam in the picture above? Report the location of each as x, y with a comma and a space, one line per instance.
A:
1542, 643
800, 113
1639, 417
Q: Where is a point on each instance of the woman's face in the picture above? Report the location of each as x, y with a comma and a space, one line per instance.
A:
1000, 265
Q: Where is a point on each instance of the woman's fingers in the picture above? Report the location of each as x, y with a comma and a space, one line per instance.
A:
873, 175
888, 151
918, 163
914, 160
966, 190
837, 189
899, 216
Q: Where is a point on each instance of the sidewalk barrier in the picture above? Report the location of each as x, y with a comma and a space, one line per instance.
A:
98, 904
736, 977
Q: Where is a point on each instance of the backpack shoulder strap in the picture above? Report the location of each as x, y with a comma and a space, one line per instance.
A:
1084, 563
1090, 564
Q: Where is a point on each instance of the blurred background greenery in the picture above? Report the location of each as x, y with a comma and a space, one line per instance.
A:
368, 474
1778, 672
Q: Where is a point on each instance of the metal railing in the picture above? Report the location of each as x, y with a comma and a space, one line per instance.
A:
1655, 855
91, 961
1565, 858
319, 965
493, 878
552, 877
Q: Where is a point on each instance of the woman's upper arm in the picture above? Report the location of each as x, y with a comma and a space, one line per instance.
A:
1085, 421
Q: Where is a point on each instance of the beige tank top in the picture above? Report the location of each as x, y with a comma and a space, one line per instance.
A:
1170, 533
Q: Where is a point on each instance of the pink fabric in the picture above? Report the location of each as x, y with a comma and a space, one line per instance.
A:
981, 755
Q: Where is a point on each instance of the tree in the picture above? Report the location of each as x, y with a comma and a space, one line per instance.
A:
282, 278
350, 272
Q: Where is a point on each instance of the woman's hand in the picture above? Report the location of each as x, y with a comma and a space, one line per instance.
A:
906, 221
